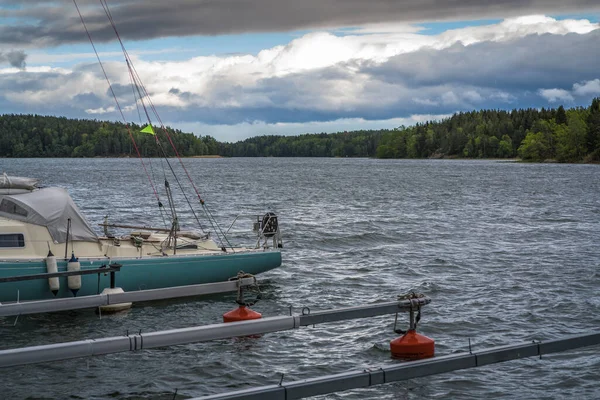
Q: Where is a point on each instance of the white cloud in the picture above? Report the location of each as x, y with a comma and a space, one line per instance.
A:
100, 110
584, 88
425, 102
502, 96
358, 78
449, 98
513, 28
587, 88
556, 95
229, 81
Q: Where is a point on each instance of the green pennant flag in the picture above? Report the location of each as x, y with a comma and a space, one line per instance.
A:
148, 129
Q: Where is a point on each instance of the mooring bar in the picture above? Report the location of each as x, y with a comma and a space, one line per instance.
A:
30, 277
405, 370
318, 317
93, 347
75, 303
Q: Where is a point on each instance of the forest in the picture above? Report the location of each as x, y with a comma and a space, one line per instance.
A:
560, 135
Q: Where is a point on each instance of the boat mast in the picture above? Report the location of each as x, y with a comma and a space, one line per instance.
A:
143, 98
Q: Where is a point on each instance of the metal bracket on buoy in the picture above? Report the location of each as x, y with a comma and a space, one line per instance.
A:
242, 313
411, 345
240, 289
415, 305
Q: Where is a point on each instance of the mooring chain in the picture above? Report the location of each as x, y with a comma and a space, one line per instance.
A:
240, 289
409, 296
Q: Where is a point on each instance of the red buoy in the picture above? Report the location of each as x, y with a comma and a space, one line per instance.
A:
412, 346
241, 314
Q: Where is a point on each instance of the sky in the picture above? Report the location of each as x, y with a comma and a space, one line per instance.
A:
234, 69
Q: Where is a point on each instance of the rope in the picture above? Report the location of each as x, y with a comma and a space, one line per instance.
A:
409, 296
139, 85
240, 292
143, 94
115, 98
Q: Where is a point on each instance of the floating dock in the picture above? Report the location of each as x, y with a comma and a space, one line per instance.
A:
99, 300
407, 370
141, 341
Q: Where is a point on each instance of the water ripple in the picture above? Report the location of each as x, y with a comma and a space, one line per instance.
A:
508, 253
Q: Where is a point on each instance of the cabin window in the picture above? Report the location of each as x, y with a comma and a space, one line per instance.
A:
8, 206
12, 240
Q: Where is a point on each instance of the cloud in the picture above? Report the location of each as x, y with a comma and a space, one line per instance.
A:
556, 95
15, 58
524, 63
580, 89
587, 88
324, 76
45, 23
100, 110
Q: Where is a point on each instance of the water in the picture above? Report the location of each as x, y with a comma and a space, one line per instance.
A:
508, 253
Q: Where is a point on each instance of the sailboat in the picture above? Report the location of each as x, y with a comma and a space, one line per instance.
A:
49, 250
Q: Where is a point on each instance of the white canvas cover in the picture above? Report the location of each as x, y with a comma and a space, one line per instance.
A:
17, 182
50, 207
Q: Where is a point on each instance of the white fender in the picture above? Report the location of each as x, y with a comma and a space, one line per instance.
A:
52, 267
112, 308
74, 281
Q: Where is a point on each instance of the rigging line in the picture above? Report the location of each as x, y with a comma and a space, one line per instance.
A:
133, 89
139, 85
132, 72
115, 97
136, 86
179, 185
137, 107
218, 227
210, 218
104, 4
162, 167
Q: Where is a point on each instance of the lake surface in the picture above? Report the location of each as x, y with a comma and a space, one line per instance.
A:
508, 253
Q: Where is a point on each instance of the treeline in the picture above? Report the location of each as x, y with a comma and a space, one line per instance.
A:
571, 135
40, 136
533, 135
343, 144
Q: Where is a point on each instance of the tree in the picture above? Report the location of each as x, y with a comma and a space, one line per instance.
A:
593, 133
534, 147
561, 115
505, 147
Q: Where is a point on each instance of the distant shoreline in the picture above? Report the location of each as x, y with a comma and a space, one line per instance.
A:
494, 159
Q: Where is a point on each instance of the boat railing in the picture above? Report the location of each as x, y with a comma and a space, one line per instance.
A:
266, 227
112, 268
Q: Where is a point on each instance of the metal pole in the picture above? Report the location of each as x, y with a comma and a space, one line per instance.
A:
29, 277
92, 347
74, 303
67, 241
112, 279
404, 371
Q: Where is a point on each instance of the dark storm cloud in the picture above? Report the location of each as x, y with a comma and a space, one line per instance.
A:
53, 23
529, 63
501, 75
15, 58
